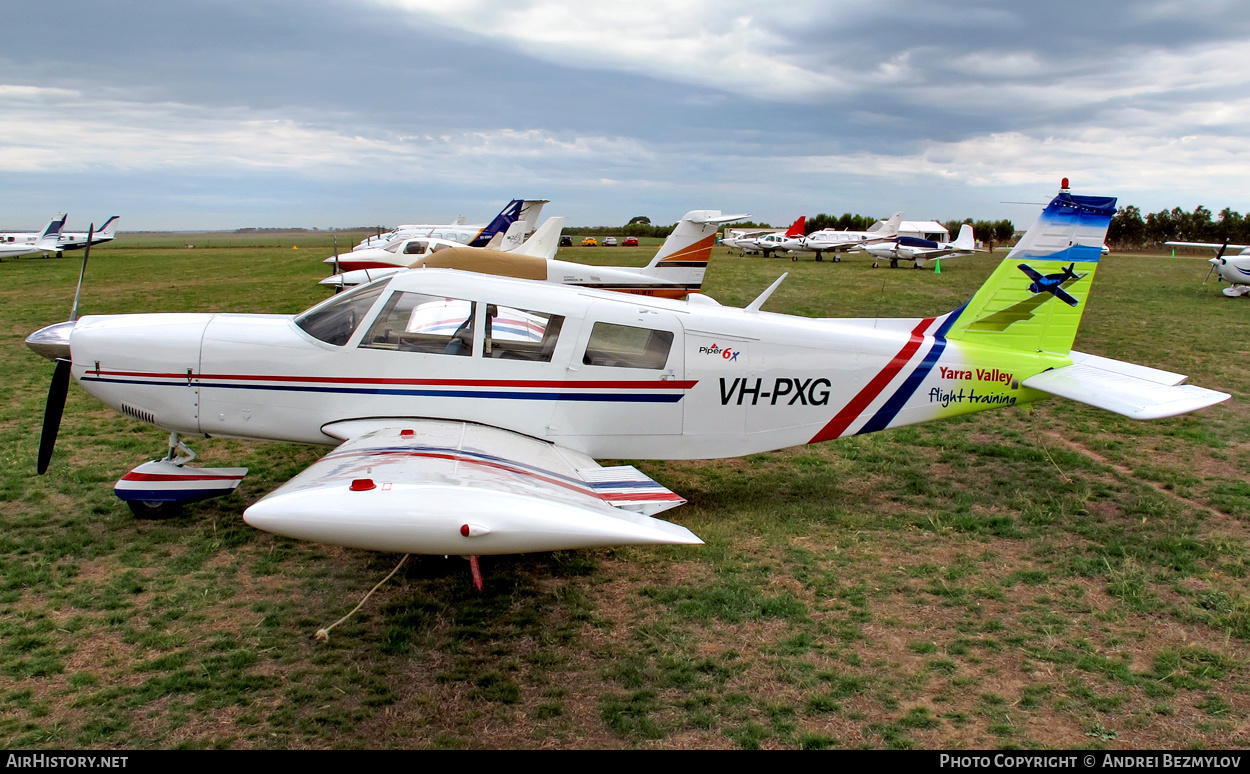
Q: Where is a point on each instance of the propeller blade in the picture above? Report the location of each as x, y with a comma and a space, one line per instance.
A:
52, 413
1204, 281
1223, 247
73, 314
338, 287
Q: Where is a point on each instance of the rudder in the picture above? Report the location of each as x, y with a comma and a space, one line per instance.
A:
1035, 298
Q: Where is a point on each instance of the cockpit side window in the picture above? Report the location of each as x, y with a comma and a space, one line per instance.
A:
415, 322
520, 334
624, 346
335, 319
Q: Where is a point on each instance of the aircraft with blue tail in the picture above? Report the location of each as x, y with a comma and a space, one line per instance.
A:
14, 243
468, 411
525, 211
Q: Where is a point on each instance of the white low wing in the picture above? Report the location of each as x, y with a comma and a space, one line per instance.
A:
439, 487
1134, 391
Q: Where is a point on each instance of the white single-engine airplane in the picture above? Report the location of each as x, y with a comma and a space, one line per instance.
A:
467, 411
676, 270
838, 242
920, 251
15, 243
1235, 270
477, 235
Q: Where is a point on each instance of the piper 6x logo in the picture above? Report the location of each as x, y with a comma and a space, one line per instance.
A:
726, 353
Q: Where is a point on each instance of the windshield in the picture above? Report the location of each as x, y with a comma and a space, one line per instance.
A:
336, 319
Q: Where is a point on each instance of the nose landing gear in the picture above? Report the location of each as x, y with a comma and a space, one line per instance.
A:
158, 489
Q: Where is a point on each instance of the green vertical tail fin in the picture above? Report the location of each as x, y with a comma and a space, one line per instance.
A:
1034, 299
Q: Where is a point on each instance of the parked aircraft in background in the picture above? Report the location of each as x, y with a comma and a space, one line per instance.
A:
1235, 269
920, 251
764, 240
525, 210
743, 240
838, 242
454, 437
77, 240
363, 266
676, 270
14, 243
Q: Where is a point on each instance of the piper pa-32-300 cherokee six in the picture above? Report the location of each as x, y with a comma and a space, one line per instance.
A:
467, 410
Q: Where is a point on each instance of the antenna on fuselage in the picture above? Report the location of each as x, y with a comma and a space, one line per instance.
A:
757, 303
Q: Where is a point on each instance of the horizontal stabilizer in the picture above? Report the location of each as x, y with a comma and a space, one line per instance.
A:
1134, 391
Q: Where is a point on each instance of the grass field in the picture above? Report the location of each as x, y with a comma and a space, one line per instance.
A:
1030, 578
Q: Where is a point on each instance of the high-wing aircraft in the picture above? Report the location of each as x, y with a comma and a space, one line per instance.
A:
676, 270
24, 242
918, 250
479, 235
766, 241
838, 242
453, 435
77, 240
1235, 269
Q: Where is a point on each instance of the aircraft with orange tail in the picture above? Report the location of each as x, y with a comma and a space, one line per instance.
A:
676, 270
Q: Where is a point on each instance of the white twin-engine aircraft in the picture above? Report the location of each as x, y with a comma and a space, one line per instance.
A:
524, 211
676, 270
921, 251
838, 242
54, 239
13, 243
467, 411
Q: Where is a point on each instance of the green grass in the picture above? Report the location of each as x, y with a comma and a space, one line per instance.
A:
1045, 577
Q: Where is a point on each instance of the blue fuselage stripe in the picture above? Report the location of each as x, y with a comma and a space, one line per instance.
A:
895, 404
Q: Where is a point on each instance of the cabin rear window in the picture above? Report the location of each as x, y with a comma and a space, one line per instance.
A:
624, 346
414, 322
520, 334
335, 319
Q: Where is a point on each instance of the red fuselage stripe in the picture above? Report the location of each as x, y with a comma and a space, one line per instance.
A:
132, 476
574, 385
851, 410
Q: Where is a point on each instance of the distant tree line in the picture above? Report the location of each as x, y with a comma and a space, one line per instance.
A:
847, 222
997, 230
638, 226
1129, 229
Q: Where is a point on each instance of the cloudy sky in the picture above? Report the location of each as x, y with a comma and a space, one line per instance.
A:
207, 114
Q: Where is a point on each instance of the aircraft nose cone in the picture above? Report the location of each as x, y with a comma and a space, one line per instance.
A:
51, 342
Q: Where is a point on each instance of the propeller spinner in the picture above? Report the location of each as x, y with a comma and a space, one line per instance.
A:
1216, 261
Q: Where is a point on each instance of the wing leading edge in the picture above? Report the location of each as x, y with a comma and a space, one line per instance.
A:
438, 487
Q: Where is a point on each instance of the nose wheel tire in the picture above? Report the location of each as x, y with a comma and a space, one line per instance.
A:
153, 511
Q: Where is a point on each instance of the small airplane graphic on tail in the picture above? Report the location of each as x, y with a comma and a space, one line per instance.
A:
1053, 283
